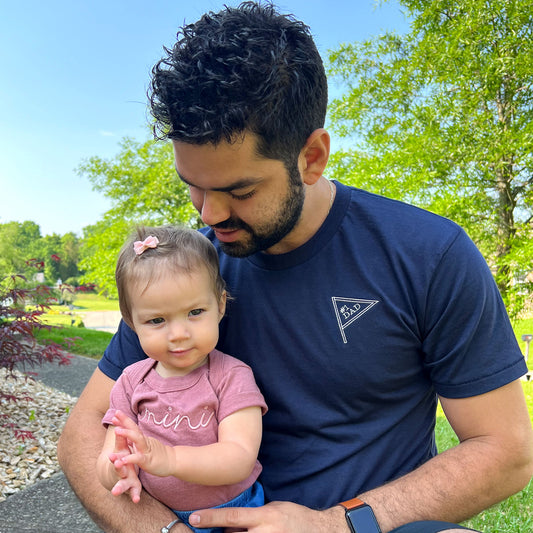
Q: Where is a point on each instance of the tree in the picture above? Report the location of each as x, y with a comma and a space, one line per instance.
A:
56, 255
18, 242
60, 254
70, 251
443, 117
99, 253
144, 189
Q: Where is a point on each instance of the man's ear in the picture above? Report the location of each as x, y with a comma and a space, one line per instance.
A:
314, 156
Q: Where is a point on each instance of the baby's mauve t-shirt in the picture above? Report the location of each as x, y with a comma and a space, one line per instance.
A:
186, 410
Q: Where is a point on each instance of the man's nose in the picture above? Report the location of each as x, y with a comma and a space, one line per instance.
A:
214, 208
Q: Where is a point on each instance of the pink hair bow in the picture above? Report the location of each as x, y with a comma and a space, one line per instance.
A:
149, 242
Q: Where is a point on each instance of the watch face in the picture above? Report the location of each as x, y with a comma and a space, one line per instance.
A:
362, 520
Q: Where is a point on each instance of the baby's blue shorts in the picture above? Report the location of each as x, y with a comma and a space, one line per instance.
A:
252, 497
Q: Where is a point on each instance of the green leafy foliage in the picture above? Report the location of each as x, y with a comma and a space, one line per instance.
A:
442, 117
144, 188
55, 255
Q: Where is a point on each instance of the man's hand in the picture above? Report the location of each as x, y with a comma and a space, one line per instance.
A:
275, 517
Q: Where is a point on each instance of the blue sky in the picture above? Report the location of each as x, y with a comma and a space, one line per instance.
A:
74, 78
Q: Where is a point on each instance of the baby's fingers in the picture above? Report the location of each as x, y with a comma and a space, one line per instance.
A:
122, 420
133, 436
117, 456
121, 443
121, 468
138, 459
126, 485
135, 493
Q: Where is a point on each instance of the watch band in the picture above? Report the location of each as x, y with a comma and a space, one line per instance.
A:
360, 517
352, 504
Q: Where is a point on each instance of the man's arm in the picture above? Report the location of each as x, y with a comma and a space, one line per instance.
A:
493, 460
78, 448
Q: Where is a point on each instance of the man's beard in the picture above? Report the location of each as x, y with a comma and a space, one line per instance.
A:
266, 236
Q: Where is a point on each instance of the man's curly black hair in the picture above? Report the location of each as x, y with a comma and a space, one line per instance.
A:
242, 69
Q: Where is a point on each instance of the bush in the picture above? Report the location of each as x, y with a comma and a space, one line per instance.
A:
18, 327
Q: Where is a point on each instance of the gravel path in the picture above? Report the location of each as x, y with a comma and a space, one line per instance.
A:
34, 495
31, 427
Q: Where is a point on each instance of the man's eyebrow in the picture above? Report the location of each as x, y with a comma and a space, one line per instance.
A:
182, 178
238, 184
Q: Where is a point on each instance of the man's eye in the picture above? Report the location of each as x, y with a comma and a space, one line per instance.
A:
196, 312
244, 196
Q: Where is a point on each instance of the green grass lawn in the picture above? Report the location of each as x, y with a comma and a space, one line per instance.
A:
89, 342
81, 304
63, 315
94, 302
81, 341
522, 327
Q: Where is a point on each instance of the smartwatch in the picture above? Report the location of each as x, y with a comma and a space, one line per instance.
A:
360, 517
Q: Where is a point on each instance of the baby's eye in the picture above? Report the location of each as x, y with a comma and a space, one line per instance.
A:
196, 312
158, 320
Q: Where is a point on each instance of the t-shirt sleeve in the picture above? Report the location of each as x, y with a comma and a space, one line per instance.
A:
469, 345
123, 350
237, 389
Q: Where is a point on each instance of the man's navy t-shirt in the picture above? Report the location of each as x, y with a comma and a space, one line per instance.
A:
351, 337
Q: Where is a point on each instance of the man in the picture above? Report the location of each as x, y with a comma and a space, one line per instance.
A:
355, 312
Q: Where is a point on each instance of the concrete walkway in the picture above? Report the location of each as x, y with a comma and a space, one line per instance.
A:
50, 506
100, 320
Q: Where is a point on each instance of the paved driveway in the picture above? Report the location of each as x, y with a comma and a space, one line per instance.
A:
100, 320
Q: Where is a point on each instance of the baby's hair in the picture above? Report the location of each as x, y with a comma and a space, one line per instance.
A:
179, 250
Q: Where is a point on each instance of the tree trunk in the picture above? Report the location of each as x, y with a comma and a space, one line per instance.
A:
505, 223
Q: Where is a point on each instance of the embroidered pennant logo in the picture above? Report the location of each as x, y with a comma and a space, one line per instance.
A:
348, 310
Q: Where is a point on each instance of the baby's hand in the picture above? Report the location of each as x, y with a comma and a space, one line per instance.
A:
127, 474
128, 484
148, 453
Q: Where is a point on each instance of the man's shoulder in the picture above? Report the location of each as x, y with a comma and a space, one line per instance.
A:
386, 205
388, 216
